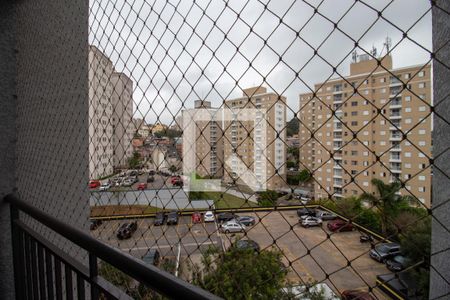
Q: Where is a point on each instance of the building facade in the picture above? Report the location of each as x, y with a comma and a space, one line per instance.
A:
268, 164
374, 123
209, 142
110, 115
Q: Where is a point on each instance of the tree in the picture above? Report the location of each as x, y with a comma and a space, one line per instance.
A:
134, 161
304, 175
172, 169
267, 198
242, 274
388, 203
115, 276
291, 164
292, 126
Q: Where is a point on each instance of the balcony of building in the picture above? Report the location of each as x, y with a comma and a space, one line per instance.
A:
395, 102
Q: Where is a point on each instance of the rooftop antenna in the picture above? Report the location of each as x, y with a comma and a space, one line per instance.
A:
387, 44
374, 51
354, 56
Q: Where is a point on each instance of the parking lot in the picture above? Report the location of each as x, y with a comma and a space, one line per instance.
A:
308, 252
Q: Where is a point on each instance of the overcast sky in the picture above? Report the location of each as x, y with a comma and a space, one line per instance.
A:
179, 51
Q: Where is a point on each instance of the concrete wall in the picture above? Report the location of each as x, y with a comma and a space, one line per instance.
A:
440, 249
44, 131
7, 141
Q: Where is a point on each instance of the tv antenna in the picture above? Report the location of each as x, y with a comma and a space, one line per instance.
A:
388, 44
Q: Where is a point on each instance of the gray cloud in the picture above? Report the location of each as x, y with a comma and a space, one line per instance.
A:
175, 53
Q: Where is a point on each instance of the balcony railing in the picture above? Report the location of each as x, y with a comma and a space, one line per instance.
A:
43, 271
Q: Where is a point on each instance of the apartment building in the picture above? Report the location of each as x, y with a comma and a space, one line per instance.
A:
110, 113
241, 149
374, 123
208, 142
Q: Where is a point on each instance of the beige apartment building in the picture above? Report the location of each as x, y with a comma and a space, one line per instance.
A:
209, 141
374, 123
110, 115
241, 150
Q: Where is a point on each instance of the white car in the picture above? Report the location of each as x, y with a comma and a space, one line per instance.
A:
232, 226
208, 216
105, 186
311, 221
306, 293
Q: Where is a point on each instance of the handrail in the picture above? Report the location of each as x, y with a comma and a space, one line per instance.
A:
160, 281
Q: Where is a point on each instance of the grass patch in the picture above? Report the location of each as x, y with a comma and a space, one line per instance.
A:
222, 200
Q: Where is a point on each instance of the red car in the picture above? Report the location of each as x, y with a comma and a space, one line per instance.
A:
175, 179
94, 184
196, 217
356, 295
142, 186
339, 225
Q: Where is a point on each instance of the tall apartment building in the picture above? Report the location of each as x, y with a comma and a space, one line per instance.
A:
374, 123
110, 112
209, 141
267, 165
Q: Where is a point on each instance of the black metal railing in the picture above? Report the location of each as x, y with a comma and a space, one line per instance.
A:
43, 271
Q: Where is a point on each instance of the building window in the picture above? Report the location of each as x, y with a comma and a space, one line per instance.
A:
421, 73
422, 131
354, 103
407, 109
421, 189
407, 75
407, 98
408, 121
422, 85
354, 123
422, 108
407, 154
421, 178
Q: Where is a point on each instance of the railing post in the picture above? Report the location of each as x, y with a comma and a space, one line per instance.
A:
93, 273
17, 250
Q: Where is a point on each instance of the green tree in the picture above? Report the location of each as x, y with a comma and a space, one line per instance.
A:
115, 276
134, 161
291, 164
173, 169
292, 126
267, 198
242, 274
304, 175
387, 202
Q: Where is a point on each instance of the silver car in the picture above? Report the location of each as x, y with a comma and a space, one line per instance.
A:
311, 221
232, 226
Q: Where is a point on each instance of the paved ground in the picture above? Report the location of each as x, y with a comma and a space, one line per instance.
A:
326, 255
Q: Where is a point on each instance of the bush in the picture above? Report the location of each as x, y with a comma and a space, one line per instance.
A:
267, 198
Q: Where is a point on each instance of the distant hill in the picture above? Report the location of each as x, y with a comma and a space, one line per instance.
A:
292, 126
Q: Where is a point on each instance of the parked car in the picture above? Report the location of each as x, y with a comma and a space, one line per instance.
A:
133, 173
94, 184
126, 230
134, 179
105, 186
151, 173
311, 221
232, 226
150, 179
305, 292
325, 215
226, 216
160, 217
356, 295
178, 183
174, 179
172, 218
246, 220
196, 217
247, 244
397, 263
383, 252
208, 216
127, 182
152, 257
142, 186
95, 224
339, 225
306, 212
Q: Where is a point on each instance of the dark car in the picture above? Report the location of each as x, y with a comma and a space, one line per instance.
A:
151, 173
356, 295
397, 263
306, 212
172, 218
225, 217
126, 230
160, 217
247, 244
383, 252
246, 220
150, 179
95, 224
339, 225
152, 257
